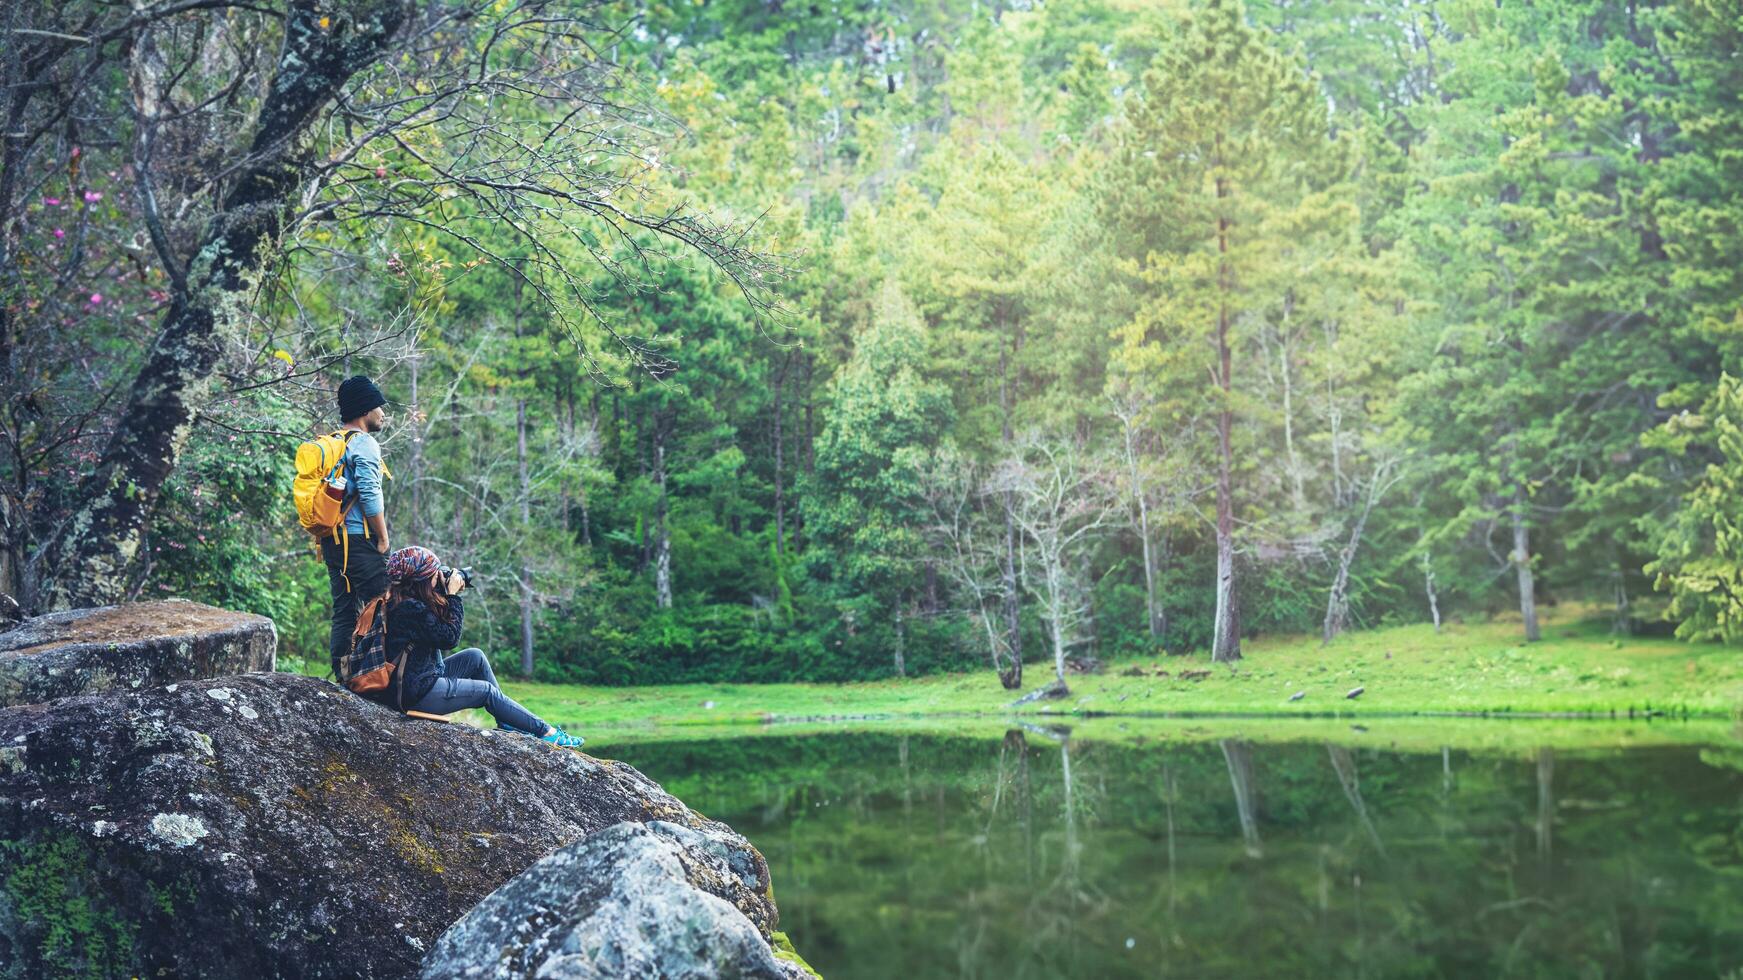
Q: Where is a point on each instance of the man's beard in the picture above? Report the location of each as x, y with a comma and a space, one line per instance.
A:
373, 426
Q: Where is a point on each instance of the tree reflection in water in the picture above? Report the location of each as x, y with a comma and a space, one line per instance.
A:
1239, 756
1044, 852
1344, 765
1545, 802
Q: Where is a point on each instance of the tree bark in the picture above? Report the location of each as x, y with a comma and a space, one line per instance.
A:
1226, 637
901, 641
415, 472
1152, 603
1012, 677
1337, 605
566, 433
86, 560
12, 550
581, 482
1428, 586
1056, 626
662, 535
1621, 622
780, 500
1522, 564
526, 525
1297, 484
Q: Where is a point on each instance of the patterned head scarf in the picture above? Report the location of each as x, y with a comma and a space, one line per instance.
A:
411, 563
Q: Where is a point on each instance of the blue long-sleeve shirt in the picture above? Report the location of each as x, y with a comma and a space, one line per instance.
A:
363, 460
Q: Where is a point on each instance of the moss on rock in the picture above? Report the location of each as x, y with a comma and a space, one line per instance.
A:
313, 834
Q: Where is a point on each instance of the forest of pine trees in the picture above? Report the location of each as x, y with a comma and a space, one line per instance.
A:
841, 341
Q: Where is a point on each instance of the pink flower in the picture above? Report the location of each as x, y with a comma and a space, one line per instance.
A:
92, 197
53, 202
59, 233
96, 299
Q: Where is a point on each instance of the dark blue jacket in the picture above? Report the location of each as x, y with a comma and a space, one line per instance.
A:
415, 630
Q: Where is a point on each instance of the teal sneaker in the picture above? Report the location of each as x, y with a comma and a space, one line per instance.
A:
563, 739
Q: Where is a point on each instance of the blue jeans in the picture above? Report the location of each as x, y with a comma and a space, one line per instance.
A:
466, 681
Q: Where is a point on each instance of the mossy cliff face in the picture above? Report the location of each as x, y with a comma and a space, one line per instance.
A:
129, 647
275, 825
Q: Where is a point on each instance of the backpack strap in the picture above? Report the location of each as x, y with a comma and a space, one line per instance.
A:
340, 537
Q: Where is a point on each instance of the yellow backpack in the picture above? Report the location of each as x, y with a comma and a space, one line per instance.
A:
317, 461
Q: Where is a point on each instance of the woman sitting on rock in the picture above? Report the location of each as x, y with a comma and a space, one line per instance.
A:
424, 615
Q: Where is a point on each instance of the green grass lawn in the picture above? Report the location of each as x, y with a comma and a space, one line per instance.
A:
1578, 668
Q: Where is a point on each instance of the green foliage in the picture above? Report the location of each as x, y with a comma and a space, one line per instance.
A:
1701, 557
864, 500
52, 891
1491, 248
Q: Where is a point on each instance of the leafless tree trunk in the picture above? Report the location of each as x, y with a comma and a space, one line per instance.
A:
969, 561
1297, 479
526, 524
581, 484
1013, 679
1334, 416
415, 470
1062, 500
1621, 621
1225, 646
662, 534
10, 554
1428, 586
901, 640
1127, 410
1522, 563
780, 504
1337, 605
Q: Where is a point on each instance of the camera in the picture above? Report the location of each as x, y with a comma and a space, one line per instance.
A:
447, 572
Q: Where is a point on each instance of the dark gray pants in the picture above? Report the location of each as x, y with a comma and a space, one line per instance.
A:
467, 681
366, 569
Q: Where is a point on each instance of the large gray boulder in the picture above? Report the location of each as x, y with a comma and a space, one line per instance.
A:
129, 647
633, 900
274, 825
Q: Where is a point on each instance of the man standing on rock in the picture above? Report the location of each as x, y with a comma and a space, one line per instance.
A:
357, 567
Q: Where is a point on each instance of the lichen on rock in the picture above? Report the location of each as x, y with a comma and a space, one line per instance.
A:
129, 647
323, 837
633, 900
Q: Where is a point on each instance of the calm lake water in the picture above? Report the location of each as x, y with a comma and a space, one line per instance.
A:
1046, 854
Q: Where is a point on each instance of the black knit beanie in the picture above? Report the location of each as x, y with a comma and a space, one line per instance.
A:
358, 396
